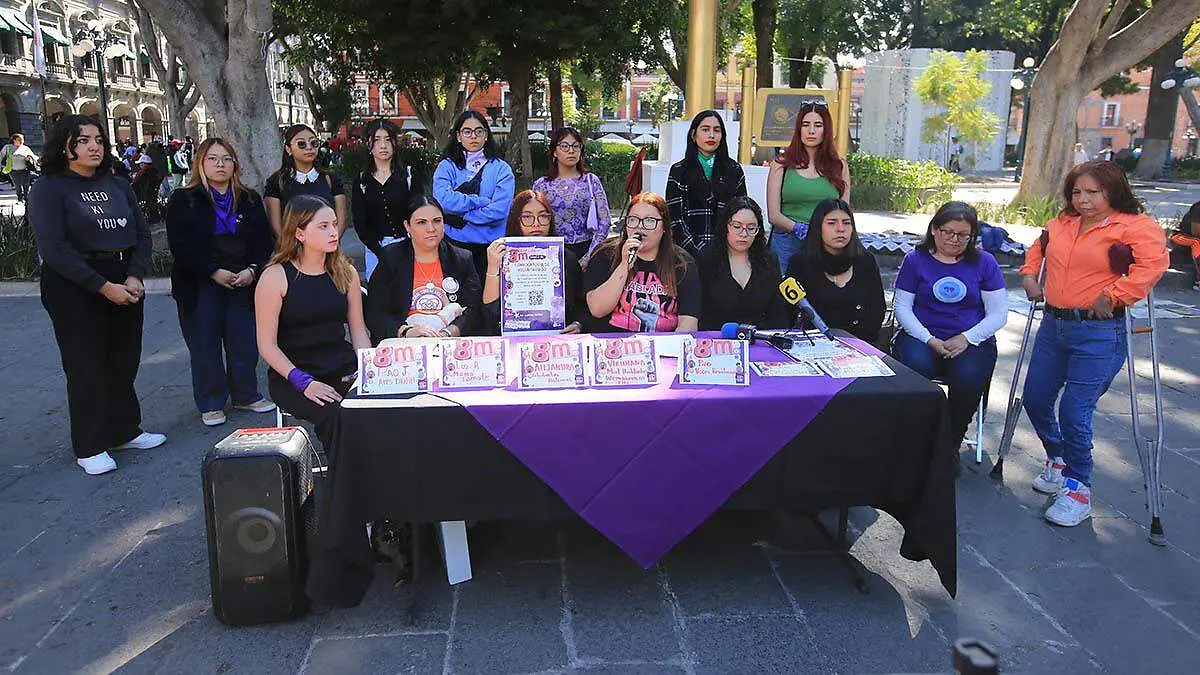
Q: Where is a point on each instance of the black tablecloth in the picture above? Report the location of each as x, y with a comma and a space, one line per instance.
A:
428, 460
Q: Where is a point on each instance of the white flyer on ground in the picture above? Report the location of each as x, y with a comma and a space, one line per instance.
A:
472, 363
388, 369
709, 361
624, 362
786, 369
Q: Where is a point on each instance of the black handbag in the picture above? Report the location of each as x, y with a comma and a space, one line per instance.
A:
470, 187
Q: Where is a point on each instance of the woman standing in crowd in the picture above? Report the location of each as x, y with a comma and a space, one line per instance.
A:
641, 282
382, 191
95, 250
17, 160
950, 301
839, 275
1080, 345
306, 297
575, 193
219, 237
808, 172
531, 216
475, 186
426, 287
700, 184
739, 274
299, 175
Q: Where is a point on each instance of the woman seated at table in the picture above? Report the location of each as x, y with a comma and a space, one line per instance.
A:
839, 275
640, 281
739, 275
950, 301
305, 298
531, 216
424, 287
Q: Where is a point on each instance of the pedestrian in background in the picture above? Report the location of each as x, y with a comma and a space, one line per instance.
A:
17, 160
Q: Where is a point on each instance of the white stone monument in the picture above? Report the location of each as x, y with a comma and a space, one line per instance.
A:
893, 115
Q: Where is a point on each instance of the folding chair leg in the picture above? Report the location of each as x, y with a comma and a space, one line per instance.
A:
979, 420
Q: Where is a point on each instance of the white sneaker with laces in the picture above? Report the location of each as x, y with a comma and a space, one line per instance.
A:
1050, 480
262, 405
144, 441
1073, 505
97, 464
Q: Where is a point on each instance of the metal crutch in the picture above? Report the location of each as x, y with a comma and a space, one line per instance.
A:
1013, 413
1149, 450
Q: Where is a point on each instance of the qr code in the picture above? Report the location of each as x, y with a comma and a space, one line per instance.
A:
536, 297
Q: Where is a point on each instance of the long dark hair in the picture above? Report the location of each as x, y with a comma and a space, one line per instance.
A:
671, 263
60, 144
814, 243
952, 211
557, 137
367, 137
1112, 181
287, 166
829, 166
454, 150
512, 227
719, 248
691, 155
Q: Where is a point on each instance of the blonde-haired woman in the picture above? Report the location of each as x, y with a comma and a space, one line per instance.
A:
219, 237
306, 297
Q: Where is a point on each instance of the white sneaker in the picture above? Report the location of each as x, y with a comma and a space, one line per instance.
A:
97, 464
262, 405
213, 418
1073, 505
144, 441
1050, 480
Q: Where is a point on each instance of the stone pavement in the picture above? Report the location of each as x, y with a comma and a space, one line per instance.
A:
106, 573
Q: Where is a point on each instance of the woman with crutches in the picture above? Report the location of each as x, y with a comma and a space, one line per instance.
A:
1081, 343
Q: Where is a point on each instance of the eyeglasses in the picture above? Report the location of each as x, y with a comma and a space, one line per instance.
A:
305, 145
647, 223
223, 159
541, 218
954, 236
748, 229
568, 147
474, 132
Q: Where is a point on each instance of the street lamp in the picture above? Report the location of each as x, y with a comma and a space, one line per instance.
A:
291, 88
1022, 81
630, 125
94, 37
668, 100
1180, 76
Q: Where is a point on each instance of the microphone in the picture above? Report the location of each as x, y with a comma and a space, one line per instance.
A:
633, 254
745, 331
794, 294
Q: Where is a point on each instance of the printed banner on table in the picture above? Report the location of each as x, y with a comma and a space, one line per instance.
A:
709, 361
552, 364
472, 363
388, 369
533, 299
623, 362
786, 369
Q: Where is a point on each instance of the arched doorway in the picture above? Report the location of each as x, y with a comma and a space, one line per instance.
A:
10, 120
193, 126
56, 108
90, 108
125, 122
152, 123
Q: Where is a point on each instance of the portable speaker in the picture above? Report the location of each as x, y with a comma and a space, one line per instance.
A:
259, 511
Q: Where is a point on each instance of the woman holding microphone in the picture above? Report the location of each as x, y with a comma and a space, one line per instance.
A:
1080, 345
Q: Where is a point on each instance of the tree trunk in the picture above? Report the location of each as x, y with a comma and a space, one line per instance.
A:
766, 13
554, 81
917, 39
223, 45
1160, 112
518, 70
181, 100
1089, 50
438, 104
799, 70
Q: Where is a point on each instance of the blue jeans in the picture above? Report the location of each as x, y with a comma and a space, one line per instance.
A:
967, 375
1079, 359
221, 317
786, 244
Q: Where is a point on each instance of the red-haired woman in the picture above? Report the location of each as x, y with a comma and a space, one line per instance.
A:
641, 282
806, 174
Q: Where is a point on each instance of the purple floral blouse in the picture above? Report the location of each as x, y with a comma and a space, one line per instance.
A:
571, 200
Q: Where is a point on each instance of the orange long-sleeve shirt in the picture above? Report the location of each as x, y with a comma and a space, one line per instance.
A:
1077, 267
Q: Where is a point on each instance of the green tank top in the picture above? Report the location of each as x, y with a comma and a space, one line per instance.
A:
800, 195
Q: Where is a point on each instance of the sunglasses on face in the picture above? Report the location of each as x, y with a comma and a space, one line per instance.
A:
305, 145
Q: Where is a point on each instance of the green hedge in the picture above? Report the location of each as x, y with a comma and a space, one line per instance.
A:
901, 185
18, 250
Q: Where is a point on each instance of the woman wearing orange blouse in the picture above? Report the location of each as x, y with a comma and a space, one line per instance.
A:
1080, 345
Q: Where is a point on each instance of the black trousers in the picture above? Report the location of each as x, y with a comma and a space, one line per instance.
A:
101, 346
580, 249
325, 418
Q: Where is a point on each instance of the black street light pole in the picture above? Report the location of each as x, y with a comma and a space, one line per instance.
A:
1180, 76
291, 90
1022, 81
90, 39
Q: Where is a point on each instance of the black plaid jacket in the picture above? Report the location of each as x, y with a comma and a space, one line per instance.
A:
694, 201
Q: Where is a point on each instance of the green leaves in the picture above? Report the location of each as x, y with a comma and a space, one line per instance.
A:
955, 86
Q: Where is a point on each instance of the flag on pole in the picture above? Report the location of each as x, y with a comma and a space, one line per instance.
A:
39, 43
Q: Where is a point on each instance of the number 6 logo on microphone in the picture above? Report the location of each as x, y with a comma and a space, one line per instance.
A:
791, 291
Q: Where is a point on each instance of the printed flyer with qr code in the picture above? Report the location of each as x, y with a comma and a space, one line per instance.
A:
533, 299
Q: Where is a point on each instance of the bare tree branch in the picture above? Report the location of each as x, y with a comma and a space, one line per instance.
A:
1141, 38
1108, 27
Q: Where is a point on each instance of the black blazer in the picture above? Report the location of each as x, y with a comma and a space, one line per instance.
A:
190, 223
858, 308
760, 303
389, 292
572, 288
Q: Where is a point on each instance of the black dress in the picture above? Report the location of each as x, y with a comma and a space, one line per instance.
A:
857, 307
724, 300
